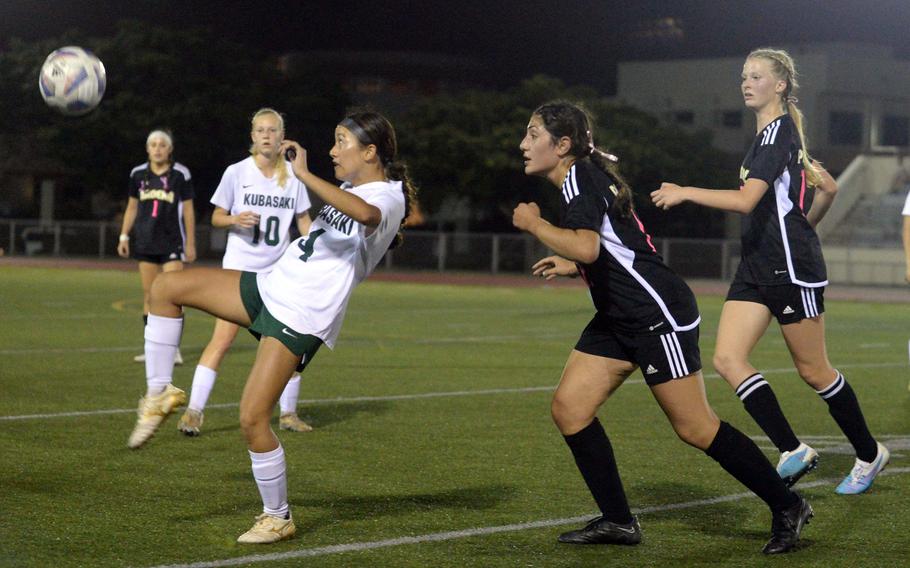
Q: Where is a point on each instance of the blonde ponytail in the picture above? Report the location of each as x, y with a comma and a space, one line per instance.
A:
784, 68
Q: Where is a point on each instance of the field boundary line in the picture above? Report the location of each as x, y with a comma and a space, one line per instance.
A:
479, 531
393, 397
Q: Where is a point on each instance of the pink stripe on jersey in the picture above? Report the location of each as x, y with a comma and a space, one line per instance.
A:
641, 227
802, 193
155, 209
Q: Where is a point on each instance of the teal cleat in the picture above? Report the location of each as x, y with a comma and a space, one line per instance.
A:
796, 463
863, 474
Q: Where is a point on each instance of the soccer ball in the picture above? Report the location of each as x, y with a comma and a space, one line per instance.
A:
72, 80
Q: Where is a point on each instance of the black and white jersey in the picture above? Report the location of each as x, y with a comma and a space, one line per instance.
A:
778, 244
629, 282
159, 220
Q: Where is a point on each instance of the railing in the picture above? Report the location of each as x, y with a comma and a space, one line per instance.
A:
477, 252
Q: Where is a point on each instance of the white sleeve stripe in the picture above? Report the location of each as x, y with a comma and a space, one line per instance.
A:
769, 134
774, 132
182, 169
573, 185
570, 186
139, 167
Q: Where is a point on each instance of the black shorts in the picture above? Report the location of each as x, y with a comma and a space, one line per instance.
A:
176, 255
789, 303
661, 358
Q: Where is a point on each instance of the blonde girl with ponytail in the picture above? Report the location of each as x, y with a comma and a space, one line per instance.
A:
783, 194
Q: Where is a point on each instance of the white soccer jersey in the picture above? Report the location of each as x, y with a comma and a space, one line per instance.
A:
243, 187
309, 287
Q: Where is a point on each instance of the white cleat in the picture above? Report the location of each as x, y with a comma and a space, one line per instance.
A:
152, 412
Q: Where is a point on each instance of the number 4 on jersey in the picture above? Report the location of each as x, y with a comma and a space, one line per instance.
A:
307, 244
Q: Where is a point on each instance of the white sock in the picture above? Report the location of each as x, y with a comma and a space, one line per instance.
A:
288, 401
203, 381
270, 473
162, 336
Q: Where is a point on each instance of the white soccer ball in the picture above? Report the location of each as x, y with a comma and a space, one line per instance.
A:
72, 80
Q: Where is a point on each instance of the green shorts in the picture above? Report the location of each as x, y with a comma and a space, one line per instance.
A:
264, 323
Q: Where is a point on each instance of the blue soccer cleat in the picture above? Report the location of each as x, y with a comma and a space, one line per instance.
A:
796, 463
864, 473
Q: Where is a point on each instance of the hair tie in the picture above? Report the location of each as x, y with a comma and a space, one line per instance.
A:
791, 99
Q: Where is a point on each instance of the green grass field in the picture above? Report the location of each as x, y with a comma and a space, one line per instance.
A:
433, 443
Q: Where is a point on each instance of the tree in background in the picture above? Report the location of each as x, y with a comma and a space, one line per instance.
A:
466, 145
202, 87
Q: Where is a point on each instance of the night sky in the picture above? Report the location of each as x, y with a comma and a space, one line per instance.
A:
579, 41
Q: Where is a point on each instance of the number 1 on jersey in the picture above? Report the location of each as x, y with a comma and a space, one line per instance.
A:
307, 244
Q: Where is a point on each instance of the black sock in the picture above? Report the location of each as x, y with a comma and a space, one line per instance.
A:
594, 457
762, 405
742, 459
845, 410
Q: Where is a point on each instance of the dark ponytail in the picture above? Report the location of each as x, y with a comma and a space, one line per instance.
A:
370, 127
398, 171
562, 118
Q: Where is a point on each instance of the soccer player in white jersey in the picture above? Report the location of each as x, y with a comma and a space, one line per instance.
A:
783, 194
258, 200
295, 307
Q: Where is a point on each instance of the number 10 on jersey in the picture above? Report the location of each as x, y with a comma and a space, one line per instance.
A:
271, 232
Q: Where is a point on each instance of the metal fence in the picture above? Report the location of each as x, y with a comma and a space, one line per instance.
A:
477, 252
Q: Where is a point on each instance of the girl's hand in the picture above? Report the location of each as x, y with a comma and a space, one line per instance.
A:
246, 219
669, 195
553, 266
123, 249
525, 216
299, 163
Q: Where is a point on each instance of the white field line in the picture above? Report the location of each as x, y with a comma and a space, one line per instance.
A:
479, 531
415, 396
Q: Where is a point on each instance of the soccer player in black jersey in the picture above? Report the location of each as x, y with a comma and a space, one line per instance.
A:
646, 318
782, 272
160, 216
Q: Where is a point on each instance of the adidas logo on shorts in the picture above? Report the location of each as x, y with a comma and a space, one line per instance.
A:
650, 370
788, 310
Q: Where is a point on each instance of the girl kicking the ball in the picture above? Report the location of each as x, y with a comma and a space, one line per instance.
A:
294, 308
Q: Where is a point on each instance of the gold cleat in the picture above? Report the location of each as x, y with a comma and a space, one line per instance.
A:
152, 412
290, 421
268, 529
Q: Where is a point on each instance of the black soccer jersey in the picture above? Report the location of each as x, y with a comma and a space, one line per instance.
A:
159, 221
629, 282
778, 244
